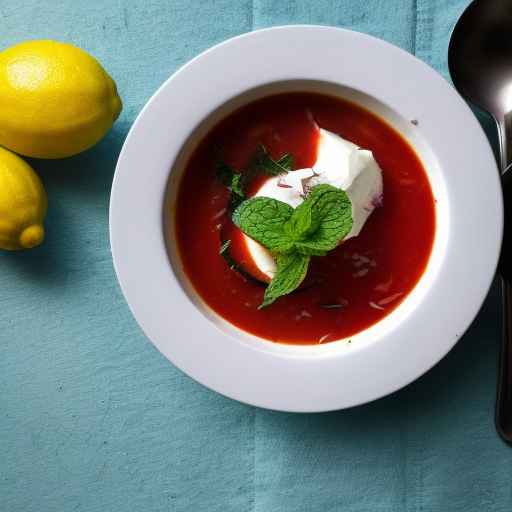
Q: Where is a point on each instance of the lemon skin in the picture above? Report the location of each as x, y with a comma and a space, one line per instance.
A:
23, 204
56, 100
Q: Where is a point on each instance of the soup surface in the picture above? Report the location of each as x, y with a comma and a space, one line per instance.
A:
353, 286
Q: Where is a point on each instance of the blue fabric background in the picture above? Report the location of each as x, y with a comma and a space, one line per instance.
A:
93, 418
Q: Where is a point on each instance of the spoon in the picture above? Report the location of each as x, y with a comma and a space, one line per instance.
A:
480, 63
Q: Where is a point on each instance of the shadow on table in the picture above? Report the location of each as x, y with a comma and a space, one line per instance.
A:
78, 191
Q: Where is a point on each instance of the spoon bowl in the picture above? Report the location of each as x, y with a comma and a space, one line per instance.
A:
480, 63
480, 52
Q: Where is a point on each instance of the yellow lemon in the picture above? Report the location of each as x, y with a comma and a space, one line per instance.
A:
55, 99
23, 203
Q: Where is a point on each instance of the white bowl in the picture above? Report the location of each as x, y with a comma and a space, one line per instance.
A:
384, 79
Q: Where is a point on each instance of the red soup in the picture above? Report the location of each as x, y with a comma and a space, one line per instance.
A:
353, 286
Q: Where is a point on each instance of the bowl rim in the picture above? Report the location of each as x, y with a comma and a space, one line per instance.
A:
308, 382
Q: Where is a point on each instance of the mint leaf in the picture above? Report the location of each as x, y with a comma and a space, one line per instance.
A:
263, 219
301, 223
291, 271
321, 221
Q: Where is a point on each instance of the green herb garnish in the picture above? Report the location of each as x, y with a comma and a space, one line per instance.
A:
286, 162
332, 306
233, 181
224, 252
315, 227
224, 247
224, 173
261, 163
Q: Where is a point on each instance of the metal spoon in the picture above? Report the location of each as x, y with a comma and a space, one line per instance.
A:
480, 62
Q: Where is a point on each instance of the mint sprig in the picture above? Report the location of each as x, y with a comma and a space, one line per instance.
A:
315, 227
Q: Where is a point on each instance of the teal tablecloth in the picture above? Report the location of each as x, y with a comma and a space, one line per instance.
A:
93, 418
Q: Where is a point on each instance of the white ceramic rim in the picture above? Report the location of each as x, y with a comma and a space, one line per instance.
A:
333, 378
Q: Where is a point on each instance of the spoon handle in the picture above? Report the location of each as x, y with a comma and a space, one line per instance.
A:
504, 396
504, 393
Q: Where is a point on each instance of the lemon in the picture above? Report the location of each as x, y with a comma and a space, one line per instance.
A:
23, 203
56, 100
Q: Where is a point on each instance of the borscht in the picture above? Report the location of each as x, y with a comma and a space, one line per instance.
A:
303, 218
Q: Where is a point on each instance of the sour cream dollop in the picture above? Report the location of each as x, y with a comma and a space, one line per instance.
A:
339, 163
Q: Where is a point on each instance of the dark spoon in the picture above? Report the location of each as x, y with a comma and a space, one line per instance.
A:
480, 62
